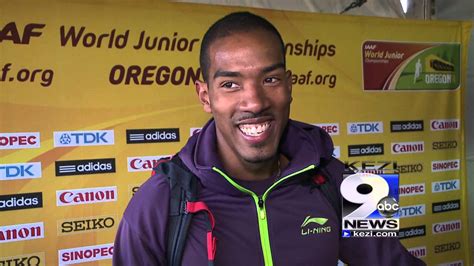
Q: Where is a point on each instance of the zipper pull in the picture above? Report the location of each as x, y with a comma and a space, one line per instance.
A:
260, 206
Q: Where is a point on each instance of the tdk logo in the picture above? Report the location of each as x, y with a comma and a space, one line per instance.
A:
406, 126
330, 128
411, 189
443, 186
413, 210
20, 171
11, 32
152, 135
145, 163
85, 167
364, 128
446, 227
28, 140
414, 231
445, 124
418, 252
365, 149
408, 147
447, 165
83, 138
446, 206
21, 201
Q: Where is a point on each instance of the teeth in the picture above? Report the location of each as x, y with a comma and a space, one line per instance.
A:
254, 129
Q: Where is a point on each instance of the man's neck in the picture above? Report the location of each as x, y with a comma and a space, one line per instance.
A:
248, 171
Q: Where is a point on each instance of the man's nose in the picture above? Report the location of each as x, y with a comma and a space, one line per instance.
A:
255, 98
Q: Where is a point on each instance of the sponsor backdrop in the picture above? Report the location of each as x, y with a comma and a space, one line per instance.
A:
94, 94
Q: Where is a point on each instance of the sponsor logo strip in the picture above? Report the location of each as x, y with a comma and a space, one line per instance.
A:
86, 224
21, 201
447, 185
444, 145
410, 168
152, 135
365, 149
446, 227
446, 165
453, 263
85, 167
409, 232
15, 171
145, 163
445, 124
408, 147
446, 206
418, 252
406, 126
85, 254
83, 138
330, 128
85, 196
26, 140
411, 189
20, 232
413, 210
365, 128
24, 259
451, 246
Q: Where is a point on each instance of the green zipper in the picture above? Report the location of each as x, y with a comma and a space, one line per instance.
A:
261, 211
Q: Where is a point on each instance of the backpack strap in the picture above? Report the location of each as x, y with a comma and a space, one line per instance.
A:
327, 185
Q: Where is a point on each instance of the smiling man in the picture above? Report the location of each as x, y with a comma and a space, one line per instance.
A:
267, 186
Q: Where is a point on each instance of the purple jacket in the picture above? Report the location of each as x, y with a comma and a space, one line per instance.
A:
278, 230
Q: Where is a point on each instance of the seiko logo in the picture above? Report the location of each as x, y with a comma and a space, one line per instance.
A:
83, 138
448, 165
414, 231
410, 168
446, 227
86, 224
194, 130
408, 147
85, 254
418, 252
414, 210
331, 128
152, 135
21, 201
447, 247
85, 196
11, 32
453, 263
444, 145
365, 128
19, 232
411, 189
145, 163
446, 206
23, 260
20, 171
9, 141
447, 185
85, 167
365, 149
445, 124
406, 126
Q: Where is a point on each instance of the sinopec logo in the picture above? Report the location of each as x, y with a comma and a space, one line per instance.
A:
85, 196
418, 252
445, 124
444, 186
85, 167
85, 254
406, 126
408, 147
446, 165
152, 135
11, 32
83, 138
365, 149
85, 224
411, 189
145, 163
28, 140
24, 259
21, 201
413, 210
15, 171
446, 206
20, 232
409, 232
444, 145
365, 128
451, 246
446, 227
330, 128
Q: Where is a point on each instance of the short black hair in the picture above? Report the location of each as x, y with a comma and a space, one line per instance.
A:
234, 23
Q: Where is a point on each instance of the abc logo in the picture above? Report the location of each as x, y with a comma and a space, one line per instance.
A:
388, 207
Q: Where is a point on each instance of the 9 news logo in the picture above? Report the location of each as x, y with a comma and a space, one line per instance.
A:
370, 205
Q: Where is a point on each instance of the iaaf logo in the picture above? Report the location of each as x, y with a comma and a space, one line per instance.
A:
152, 135
406, 126
20, 171
447, 185
20, 232
447, 165
194, 130
408, 147
336, 153
83, 138
21, 201
418, 252
11, 32
85, 167
85, 196
411, 189
24, 259
365, 149
413, 210
85, 254
445, 124
365, 128
446, 227
414, 231
330, 128
446, 206
145, 163
28, 140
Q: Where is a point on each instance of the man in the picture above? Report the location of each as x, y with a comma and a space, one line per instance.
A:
253, 165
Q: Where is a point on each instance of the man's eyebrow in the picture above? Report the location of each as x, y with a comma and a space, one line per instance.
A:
223, 73
273, 67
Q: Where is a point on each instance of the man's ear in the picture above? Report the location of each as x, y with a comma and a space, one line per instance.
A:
202, 91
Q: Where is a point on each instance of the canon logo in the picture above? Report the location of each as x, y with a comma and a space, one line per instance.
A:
446, 206
85, 167
85, 254
418, 252
406, 126
87, 224
330, 128
365, 128
152, 135
29, 140
408, 147
446, 227
448, 165
365, 149
411, 189
85, 196
445, 124
19, 232
444, 145
21, 201
145, 163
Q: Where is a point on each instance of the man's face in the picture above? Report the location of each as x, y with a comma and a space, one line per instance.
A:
249, 94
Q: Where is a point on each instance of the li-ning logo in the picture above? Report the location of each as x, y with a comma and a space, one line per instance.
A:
319, 228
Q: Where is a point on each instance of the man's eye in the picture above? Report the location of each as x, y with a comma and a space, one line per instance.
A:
229, 85
271, 80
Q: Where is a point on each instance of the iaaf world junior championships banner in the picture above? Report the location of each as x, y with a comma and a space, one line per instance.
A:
92, 95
